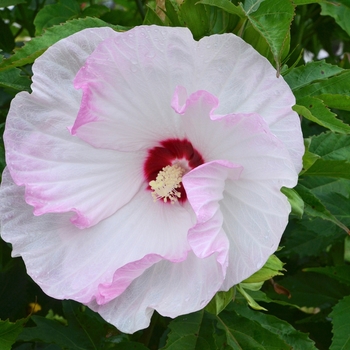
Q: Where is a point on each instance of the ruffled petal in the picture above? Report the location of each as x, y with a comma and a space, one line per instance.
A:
98, 262
247, 83
204, 186
253, 212
170, 288
62, 173
128, 83
243, 139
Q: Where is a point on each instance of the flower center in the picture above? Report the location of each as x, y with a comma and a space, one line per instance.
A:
166, 184
165, 166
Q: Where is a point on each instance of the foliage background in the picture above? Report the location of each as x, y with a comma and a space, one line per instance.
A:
305, 308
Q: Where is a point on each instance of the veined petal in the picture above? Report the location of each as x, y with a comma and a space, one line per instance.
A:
128, 83
243, 139
247, 83
62, 173
98, 262
204, 186
255, 216
170, 288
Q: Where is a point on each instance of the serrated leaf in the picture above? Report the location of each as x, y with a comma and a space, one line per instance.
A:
313, 109
313, 71
249, 334
13, 79
341, 325
35, 47
55, 14
7, 41
315, 208
9, 332
297, 340
331, 146
273, 23
340, 273
340, 11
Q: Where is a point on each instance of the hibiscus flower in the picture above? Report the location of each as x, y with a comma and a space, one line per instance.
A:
144, 170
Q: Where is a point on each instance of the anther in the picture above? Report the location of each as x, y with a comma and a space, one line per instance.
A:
166, 184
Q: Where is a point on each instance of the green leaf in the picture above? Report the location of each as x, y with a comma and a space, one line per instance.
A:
331, 146
315, 208
297, 340
340, 273
95, 11
7, 41
13, 79
309, 289
248, 333
84, 331
250, 300
9, 332
225, 5
196, 18
310, 238
313, 71
35, 47
152, 18
330, 168
295, 201
273, 23
130, 345
340, 11
51, 15
272, 268
341, 325
6, 3
313, 108
220, 301
185, 333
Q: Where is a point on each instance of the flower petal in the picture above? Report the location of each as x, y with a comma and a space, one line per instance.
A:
247, 83
128, 84
204, 186
98, 262
170, 288
62, 173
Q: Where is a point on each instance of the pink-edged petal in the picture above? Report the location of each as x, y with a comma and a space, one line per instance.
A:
204, 187
61, 172
243, 139
99, 262
247, 83
172, 289
128, 83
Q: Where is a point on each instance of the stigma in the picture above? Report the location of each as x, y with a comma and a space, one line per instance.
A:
167, 182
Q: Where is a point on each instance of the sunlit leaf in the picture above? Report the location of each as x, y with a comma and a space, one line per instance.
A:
9, 332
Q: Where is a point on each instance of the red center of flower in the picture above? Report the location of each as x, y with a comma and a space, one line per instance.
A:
166, 164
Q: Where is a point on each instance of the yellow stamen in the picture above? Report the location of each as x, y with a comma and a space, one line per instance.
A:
166, 184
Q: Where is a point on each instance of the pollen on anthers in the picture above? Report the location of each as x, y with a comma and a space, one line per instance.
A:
166, 183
